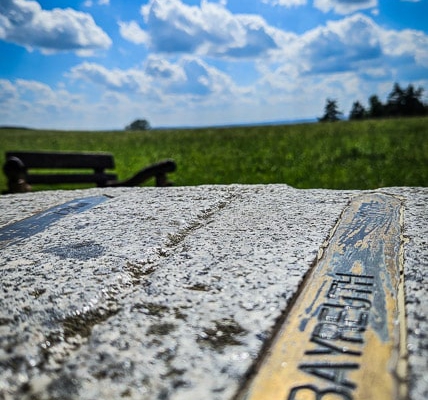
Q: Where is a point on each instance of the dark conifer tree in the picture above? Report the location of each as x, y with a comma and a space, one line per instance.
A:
358, 111
376, 108
331, 112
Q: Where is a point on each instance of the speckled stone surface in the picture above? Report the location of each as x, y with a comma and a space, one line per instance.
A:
171, 293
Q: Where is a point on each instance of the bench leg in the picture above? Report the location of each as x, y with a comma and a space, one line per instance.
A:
162, 180
19, 186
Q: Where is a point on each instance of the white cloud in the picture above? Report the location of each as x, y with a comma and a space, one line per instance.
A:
208, 29
188, 91
406, 43
344, 6
33, 103
25, 23
7, 90
160, 68
201, 79
132, 32
349, 44
348, 59
189, 76
90, 3
340, 45
286, 3
127, 81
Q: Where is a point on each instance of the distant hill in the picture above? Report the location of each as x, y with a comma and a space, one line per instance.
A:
14, 127
241, 125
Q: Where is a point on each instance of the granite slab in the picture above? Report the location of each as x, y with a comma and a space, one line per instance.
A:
169, 293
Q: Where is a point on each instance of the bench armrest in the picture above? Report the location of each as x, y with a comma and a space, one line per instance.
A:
157, 171
16, 174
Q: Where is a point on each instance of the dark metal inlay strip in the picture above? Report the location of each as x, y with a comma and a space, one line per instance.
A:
28, 227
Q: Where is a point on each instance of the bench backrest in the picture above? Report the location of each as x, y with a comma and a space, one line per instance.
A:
55, 160
61, 160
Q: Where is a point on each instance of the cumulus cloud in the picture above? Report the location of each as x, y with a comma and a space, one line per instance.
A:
90, 3
159, 68
33, 103
410, 43
168, 91
354, 49
129, 81
286, 3
132, 32
200, 79
36, 104
208, 29
25, 23
340, 45
188, 76
7, 92
344, 6
348, 59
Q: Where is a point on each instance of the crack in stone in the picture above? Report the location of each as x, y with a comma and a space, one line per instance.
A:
202, 219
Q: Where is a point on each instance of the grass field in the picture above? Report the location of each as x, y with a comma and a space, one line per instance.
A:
342, 155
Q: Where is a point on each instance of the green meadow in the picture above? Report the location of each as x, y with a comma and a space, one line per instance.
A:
342, 155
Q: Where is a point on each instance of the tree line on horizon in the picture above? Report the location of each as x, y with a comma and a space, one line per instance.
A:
401, 102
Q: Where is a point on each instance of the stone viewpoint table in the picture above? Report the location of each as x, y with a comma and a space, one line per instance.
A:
214, 292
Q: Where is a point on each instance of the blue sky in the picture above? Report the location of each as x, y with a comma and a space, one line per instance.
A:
100, 64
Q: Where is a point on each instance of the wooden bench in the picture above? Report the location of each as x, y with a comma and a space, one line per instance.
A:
19, 165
